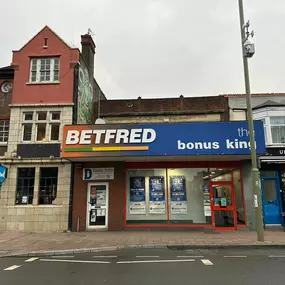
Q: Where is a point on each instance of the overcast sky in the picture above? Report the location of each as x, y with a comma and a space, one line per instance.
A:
160, 48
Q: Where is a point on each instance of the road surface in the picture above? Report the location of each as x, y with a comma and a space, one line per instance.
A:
149, 267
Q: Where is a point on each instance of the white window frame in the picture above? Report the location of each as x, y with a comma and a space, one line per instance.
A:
265, 115
270, 126
35, 122
3, 132
38, 69
50, 126
23, 131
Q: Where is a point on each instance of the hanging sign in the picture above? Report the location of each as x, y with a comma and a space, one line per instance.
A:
137, 195
3, 173
156, 195
178, 199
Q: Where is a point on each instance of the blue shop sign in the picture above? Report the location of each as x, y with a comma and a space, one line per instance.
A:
3, 173
170, 139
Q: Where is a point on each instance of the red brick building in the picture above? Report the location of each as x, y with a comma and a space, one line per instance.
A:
54, 86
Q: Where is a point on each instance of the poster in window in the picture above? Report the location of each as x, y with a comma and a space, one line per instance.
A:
178, 197
156, 195
101, 197
207, 211
137, 195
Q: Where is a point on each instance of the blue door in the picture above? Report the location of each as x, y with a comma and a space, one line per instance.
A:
271, 201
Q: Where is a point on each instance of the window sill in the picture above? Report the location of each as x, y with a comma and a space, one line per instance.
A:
43, 83
34, 206
3, 143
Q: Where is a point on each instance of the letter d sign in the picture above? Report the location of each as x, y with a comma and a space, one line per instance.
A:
87, 174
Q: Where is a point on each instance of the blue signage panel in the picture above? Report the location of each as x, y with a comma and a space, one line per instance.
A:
156, 188
168, 139
137, 189
3, 173
177, 188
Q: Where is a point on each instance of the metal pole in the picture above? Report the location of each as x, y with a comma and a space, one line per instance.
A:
99, 104
255, 171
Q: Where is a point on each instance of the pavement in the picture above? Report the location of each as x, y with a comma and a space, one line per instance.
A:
149, 266
20, 243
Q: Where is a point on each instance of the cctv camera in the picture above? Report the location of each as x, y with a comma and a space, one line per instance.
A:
248, 49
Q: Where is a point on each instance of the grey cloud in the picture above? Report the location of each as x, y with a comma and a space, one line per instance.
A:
156, 48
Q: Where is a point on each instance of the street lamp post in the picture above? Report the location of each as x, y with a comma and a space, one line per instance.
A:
248, 51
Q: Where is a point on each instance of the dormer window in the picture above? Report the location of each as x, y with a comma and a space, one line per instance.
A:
44, 70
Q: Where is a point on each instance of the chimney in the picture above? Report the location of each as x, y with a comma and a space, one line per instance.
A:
88, 51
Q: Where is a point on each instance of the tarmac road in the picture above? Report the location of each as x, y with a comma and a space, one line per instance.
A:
149, 267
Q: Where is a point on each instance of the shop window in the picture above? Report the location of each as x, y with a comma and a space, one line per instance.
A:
27, 133
189, 196
48, 185
41, 132
54, 132
220, 174
25, 186
146, 196
181, 194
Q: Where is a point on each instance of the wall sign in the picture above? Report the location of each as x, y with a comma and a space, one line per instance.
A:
98, 173
3, 173
207, 138
156, 195
137, 195
276, 151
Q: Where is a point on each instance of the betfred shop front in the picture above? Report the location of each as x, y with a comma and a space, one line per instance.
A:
183, 175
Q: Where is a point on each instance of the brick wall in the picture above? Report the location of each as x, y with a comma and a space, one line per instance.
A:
116, 196
165, 107
5, 100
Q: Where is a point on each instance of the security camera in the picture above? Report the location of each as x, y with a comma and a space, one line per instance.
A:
248, 49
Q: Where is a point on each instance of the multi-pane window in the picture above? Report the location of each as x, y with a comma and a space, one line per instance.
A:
4, 131
48, 185
45, 125
25, 186
277, 125
274, 129
44, 70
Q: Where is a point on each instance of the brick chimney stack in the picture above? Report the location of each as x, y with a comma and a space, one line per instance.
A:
88, 51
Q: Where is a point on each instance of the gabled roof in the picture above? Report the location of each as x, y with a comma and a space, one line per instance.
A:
269, 103
47, 27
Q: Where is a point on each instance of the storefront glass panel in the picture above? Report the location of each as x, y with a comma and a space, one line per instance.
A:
182, 196
146, 196
188, 195
220, 174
